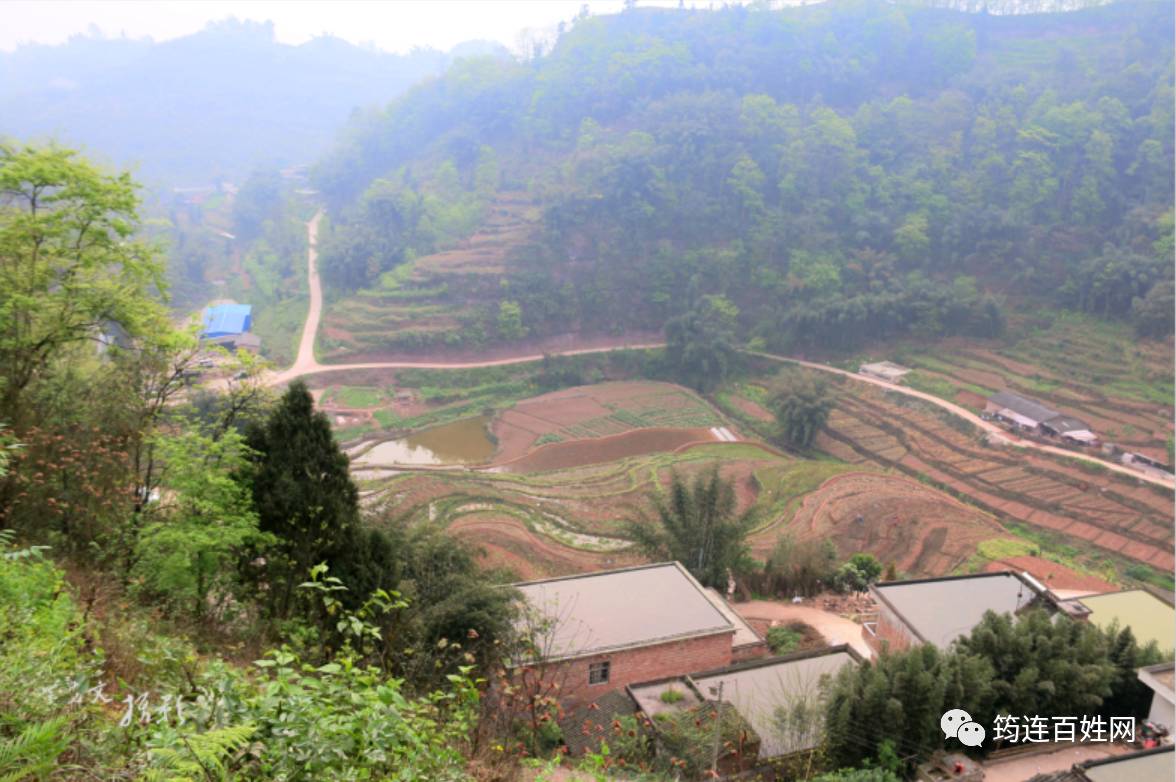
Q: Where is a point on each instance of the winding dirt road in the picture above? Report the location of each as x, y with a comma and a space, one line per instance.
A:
307, 364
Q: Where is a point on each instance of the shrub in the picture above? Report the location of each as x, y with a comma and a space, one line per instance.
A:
783, 639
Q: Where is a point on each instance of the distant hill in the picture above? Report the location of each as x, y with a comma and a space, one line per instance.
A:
841, 172
217, 103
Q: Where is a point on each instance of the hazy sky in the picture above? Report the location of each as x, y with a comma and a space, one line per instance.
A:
393, 26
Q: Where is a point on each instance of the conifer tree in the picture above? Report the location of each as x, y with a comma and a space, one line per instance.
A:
302, 491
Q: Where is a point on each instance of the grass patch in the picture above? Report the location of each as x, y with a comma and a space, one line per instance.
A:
280, 329
388, 419
672, 695
930, 384
356, 396
1006, 548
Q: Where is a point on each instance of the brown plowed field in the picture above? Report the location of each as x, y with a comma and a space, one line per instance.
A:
600, 411
1052, 574
560, 456
1112, 512
923, 532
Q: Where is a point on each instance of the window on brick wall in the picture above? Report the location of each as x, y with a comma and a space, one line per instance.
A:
598, 673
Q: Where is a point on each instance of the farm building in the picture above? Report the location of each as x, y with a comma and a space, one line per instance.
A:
1136, 457
759, 691
940, 610
223, 320
884, 370
247, 341
1031, 414
763, 689
1069, 428
1025, 413
1150, 617
1159, 678
1149, 765
604, 631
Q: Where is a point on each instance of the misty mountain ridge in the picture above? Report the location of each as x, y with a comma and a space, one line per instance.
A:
214, 104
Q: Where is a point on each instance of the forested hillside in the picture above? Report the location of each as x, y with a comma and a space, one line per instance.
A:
838, 172
210, 105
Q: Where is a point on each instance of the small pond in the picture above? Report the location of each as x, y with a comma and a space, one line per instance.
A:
461, 442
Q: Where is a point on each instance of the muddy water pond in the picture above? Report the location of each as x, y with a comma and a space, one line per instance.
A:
461, 442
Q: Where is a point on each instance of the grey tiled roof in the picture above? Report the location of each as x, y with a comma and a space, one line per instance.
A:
622, 609
1027, 407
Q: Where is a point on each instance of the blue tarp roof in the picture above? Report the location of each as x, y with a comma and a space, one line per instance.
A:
226, 319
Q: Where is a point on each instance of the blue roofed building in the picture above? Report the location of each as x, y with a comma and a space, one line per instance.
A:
225, 319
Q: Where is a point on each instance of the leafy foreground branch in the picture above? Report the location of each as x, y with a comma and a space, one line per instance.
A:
279, 719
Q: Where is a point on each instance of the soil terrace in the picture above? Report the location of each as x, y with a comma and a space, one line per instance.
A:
1112, 512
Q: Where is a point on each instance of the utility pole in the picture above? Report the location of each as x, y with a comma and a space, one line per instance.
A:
718, 692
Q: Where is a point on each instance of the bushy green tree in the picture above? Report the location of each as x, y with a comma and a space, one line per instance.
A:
202, 523
90, 363
1032, 663
510, 320
1043, 664
858, 573
899, 698
802, 406
451, 602
70, 265
1152, 315
801, 567
700, 344
697, 524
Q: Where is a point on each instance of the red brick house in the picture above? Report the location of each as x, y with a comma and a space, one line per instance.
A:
600, 632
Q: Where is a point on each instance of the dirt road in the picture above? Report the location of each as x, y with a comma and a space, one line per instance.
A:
836, 629
305, 363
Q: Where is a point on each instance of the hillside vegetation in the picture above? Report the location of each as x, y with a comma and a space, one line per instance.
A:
841, 172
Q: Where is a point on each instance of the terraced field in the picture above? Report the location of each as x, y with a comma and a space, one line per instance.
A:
573, 520
1122, 387
603, 410
421, 303
1114, 513
902, 522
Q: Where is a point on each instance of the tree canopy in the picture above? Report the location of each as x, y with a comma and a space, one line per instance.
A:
802, 406
697, 524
